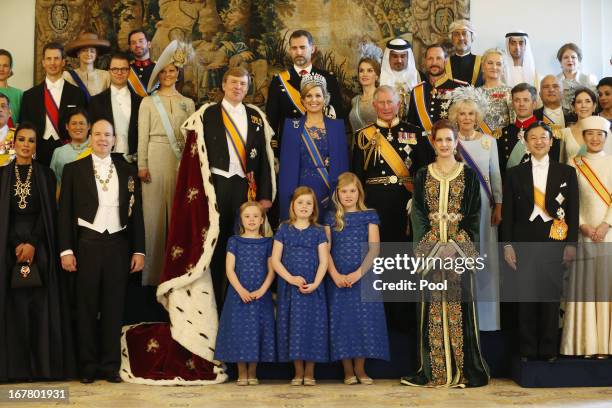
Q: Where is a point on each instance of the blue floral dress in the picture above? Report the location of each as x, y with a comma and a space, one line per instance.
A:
301, 322
357, 328
246, 330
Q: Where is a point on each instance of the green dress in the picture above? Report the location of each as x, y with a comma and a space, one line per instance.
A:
447, 209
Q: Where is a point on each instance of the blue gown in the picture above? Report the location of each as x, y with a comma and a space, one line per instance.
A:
357, 329
246, 330
301, 320
298, 169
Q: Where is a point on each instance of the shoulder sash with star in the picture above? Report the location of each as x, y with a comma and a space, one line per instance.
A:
593, 180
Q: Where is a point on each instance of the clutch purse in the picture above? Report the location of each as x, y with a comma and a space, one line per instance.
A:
25, 276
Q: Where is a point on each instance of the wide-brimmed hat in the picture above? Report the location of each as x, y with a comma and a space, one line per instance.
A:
87, 40
177, 53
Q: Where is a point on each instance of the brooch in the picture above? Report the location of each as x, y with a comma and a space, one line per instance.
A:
485, 143
253, 153
131, 184
256, 120
296, 124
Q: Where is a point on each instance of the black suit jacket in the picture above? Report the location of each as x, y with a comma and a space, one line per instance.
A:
33, 111
279, 107
100, 107
257, 158
518, 201
568, 117
79, 199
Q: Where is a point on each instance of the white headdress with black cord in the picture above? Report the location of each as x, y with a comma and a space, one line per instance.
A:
529, 71
407, 78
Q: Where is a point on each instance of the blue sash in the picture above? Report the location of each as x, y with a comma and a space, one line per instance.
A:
470, 162
167, 126
80, 83
315, 155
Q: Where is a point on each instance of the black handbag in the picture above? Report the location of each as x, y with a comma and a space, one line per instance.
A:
25, 276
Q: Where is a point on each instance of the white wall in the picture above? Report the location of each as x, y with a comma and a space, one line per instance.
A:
550, 24
17, 36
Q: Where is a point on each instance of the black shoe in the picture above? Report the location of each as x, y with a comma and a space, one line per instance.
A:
551, 359
87, 380
114, 378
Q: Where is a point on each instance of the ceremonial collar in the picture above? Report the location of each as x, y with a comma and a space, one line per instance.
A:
524, 124
142, 63
381, 123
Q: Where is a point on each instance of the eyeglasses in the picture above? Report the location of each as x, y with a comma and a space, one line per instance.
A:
119, 70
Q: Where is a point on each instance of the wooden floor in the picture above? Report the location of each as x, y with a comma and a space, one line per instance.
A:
327, 394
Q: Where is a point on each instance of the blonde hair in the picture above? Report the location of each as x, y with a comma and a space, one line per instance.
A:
300, 191
453, 112
244, 206
494, 51
311, 85
344, 180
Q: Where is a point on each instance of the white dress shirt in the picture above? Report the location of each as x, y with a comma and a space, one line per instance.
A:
539, 169
121, 102
556, 115
107, 217
298, 69
56, 89
239, 117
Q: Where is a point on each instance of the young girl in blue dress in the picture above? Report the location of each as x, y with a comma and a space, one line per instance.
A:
246, 330
357, 328
300, 255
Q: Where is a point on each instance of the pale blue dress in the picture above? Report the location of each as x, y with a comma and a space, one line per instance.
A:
484, 153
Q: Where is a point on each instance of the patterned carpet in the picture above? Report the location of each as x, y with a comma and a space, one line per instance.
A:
327, 394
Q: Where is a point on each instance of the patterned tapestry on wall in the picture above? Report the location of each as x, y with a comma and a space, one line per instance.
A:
250, 33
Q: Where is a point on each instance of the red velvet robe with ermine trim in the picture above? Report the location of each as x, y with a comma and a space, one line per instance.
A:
182, 352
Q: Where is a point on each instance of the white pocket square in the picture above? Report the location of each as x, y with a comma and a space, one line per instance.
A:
564, 185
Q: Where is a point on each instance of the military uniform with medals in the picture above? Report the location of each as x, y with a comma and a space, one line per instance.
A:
7, 150
385, 190
512, 134
429, 103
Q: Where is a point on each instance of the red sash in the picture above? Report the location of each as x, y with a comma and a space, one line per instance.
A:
52, 110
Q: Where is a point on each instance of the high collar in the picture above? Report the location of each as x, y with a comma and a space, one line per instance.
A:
525, 123
54, 85
229, 107
544, 162
142, 63
119, 91
383, 124
101, 161
597, 155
